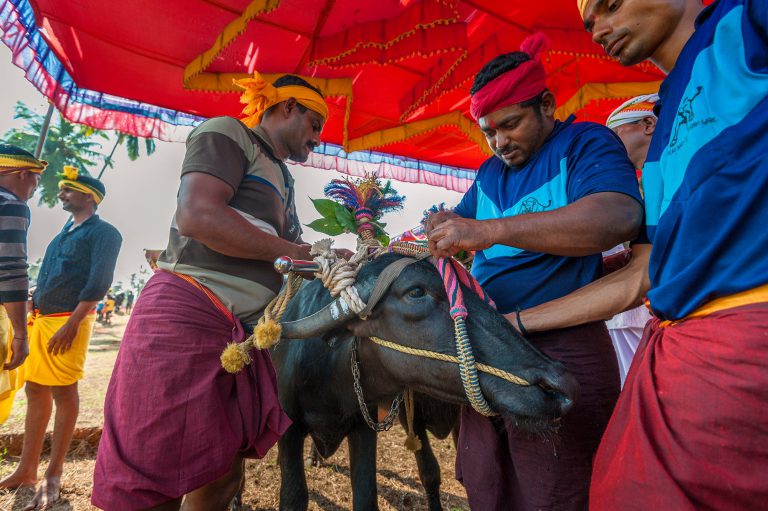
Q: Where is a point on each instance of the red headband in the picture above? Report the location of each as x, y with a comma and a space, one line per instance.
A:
524, 82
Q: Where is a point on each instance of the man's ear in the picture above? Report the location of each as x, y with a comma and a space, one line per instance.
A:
548, 104
649, 125
289, 106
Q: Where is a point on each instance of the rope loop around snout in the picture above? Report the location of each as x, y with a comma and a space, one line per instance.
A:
434, 355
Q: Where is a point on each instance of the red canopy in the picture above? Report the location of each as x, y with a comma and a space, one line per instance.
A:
396, 73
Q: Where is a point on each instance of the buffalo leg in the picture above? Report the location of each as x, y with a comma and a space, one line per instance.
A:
293, 482
429, 469
362, 461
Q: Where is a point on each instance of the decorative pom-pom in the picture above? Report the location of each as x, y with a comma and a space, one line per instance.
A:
233, 358
412, 443
267, 334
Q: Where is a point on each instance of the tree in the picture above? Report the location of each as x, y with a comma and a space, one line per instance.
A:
139, 280
132, 146
68, 144
34, 270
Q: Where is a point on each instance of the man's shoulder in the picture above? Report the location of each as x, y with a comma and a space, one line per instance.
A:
102, 228
587, 129
10, 205
228, 132
578, 136
491, 164
223, 124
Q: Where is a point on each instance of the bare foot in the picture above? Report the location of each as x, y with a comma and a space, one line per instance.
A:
47, 493
18, 480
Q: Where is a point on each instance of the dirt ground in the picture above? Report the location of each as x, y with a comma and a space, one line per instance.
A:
329, 485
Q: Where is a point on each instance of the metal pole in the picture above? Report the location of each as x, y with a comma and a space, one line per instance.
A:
44, 131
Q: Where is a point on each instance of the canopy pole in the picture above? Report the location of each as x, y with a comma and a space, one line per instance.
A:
44, 131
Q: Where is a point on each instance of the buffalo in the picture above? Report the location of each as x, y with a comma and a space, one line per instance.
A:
316, 385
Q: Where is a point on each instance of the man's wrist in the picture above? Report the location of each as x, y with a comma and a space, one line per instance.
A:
490, 230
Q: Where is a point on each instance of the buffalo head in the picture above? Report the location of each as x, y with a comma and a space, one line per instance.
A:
415, 312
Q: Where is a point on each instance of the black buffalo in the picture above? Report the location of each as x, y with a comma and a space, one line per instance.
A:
315, 382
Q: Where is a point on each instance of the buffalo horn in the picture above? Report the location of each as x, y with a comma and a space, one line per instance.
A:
326, 319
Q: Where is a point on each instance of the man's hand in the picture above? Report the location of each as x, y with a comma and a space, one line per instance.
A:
456, 234
435, 219
19, 350
301, 252
61, 341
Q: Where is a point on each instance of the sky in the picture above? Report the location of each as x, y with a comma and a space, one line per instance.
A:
141, 195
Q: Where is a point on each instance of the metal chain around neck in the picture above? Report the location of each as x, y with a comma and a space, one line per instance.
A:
394, 409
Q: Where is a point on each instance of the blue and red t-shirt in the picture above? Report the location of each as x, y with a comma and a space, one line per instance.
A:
706, 174
576, 160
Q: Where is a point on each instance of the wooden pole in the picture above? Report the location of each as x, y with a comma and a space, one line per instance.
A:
44, 131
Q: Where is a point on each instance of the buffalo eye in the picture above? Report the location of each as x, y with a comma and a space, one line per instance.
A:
416, 292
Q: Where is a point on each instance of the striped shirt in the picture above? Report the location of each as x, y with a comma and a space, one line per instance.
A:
243, 158
14, 222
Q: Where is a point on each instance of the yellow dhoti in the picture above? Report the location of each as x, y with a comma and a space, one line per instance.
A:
10, 381
65, 368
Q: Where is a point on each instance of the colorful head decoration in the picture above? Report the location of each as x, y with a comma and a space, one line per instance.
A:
260, 95
72, 179
633, 110
15, 159
522, 83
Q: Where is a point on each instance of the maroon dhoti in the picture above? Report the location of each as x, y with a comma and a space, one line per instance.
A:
503, 468
174, 420
690, 430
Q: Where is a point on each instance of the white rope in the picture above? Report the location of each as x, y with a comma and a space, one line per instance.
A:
339, 275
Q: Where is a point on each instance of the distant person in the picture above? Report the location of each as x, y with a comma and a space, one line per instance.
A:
128, 302
100, 311
119, 299
109, 309
76, 272
634, 123
19, 176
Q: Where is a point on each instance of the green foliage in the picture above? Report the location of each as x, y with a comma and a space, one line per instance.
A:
67, 144
336, 219
138, 281
34, 269
327, 226
346, 219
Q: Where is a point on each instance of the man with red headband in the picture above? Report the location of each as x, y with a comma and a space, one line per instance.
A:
541, 211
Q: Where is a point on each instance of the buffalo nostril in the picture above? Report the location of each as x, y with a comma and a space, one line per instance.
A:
566, 404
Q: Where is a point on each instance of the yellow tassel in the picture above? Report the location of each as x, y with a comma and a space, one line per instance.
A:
412, 443
267, 334
233, 358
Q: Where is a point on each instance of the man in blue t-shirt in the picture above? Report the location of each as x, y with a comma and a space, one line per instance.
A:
690, 428
541, 211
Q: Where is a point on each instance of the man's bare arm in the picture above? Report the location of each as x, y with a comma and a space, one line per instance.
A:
617, 292
203, 213
590, 225
17, 313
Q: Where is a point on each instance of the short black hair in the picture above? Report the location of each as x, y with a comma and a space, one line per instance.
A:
497, 67
286, 80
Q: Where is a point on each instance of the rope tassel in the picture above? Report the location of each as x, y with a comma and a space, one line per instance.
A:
267, 332
412, 442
